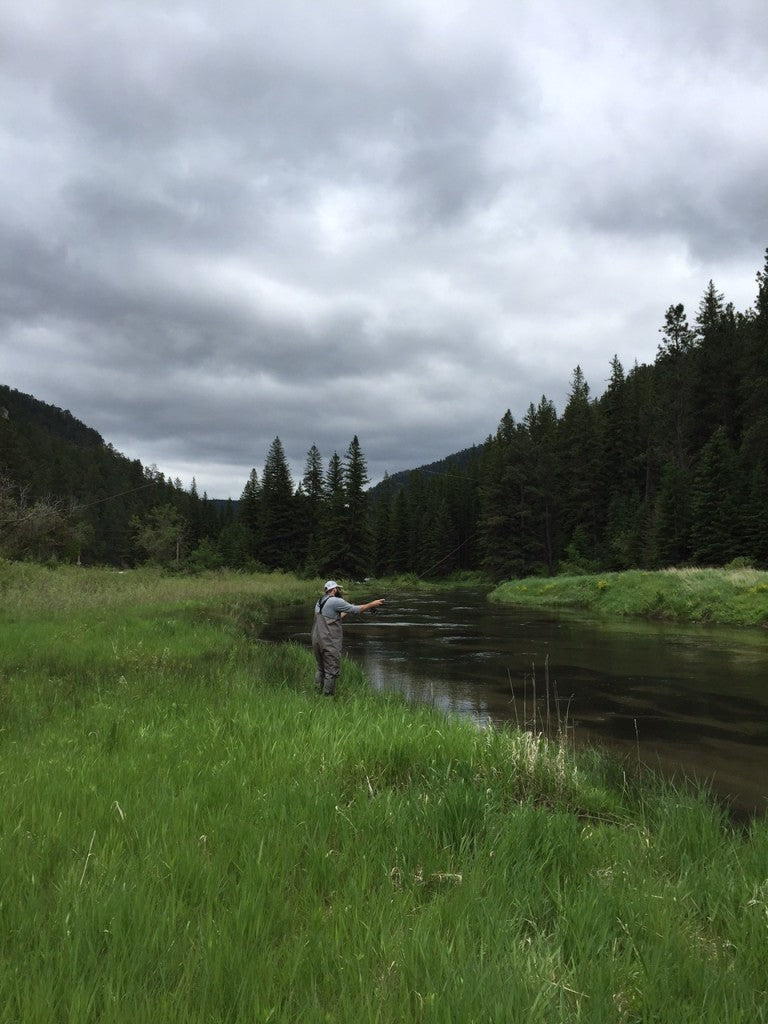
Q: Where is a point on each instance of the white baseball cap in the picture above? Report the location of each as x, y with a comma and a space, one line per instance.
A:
332, 585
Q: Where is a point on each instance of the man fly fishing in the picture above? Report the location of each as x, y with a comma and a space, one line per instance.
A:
327, 634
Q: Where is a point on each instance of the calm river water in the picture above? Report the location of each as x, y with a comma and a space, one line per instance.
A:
683, 698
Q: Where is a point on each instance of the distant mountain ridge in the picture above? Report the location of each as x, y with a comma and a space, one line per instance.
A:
396, 481
60, 423
28, 411
55, 468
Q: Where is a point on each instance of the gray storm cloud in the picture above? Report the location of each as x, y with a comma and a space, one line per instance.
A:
224, 223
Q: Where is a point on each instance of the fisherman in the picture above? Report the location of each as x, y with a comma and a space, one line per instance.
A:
326, 634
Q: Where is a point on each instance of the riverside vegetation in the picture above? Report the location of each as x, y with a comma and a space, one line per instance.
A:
187, 834
736, 595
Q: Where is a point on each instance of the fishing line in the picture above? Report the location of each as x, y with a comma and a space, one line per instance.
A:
420, 575
81, 508
120, 494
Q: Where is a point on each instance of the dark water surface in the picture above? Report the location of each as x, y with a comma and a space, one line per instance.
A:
688, 699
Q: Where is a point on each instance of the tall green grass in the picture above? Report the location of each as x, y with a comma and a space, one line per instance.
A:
189, 834
29, 588
727, 596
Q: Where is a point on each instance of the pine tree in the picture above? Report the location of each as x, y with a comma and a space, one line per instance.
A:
579, 461
439, 555
381, 515
278, 526
648, 432
753, 329
310, 502
397, 558
333, 543
359, 537
715, 530
672, 517
615, 430
235, 543
715, 391
676, 371
501, 515
755, 516
415, 521
493, 522
249, 513
459, 491
313, 479
540, 495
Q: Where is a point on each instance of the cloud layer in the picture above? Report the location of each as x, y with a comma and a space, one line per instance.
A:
225, 223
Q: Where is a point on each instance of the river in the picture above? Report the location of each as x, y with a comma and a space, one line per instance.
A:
687, 699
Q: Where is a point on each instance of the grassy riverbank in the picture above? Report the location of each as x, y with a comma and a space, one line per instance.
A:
188, 834
736, 597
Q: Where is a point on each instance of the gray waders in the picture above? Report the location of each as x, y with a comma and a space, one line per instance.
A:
326, 646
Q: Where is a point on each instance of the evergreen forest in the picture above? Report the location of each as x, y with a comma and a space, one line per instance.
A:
668, 466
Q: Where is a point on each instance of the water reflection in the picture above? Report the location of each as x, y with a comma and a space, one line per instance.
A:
691, 699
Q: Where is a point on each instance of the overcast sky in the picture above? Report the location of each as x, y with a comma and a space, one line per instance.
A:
228, 221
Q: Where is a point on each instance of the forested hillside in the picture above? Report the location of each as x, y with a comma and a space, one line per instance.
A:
668, 466
67, 494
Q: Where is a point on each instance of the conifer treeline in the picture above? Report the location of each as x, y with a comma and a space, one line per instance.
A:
668, 466
321, 526
66, 494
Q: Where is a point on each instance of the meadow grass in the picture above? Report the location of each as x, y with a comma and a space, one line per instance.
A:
189, 834
59, 590
736, 597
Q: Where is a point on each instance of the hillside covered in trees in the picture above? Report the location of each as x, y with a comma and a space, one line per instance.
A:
65, 494
668, 466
